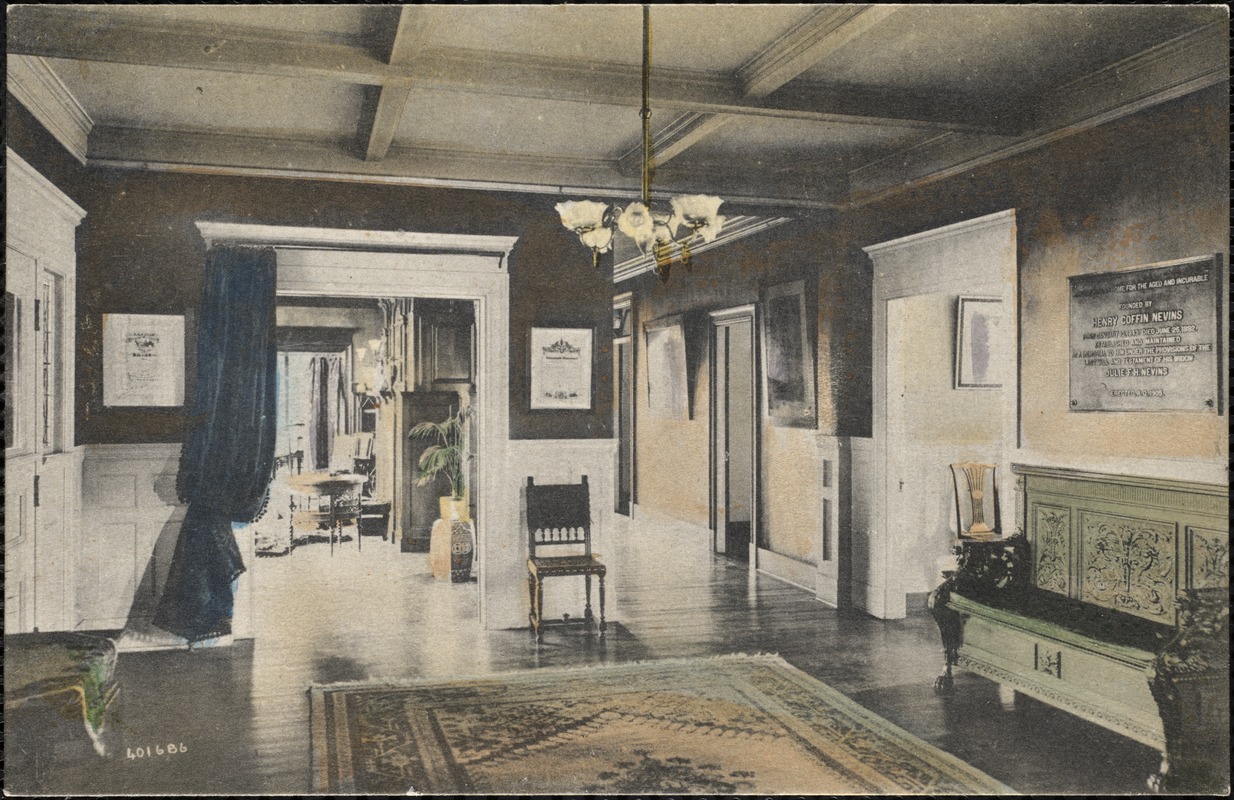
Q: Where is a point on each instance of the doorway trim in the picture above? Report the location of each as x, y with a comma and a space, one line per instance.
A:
356, 263
627, 438
718, 319
961, 257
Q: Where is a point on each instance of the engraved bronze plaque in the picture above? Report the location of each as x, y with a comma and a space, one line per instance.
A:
1147, 339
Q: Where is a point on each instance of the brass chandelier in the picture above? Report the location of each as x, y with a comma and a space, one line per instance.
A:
665, 233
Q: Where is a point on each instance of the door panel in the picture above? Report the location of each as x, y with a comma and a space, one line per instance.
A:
734, 446
18, 544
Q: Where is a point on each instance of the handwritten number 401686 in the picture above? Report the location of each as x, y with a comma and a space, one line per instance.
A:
156, 750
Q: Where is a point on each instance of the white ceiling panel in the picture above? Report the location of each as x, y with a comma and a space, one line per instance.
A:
694, 37
340, 23
495, 123
779, 140
178, 99
998, 54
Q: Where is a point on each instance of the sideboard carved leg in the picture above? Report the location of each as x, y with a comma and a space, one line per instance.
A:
1191, 684
950, 628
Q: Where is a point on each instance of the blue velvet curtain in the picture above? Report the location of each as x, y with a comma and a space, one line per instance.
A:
228, 456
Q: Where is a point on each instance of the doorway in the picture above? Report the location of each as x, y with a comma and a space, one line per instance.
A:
623, 406
734, 435
930, 425
924, 419
338, 263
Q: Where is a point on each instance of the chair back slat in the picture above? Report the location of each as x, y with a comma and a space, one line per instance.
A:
558, 514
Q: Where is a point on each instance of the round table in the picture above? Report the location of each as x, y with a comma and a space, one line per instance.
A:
337, 487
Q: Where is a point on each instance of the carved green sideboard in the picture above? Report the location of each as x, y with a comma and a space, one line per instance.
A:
1111, 601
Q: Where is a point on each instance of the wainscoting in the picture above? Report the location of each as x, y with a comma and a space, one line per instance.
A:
130, 519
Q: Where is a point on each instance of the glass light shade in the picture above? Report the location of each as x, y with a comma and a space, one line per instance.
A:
700, 213
696, 207
636, 222
598, 239
581, 215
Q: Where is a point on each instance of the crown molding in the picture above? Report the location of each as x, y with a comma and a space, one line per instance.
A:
348, 238
40, 90
1185, 64
734, 228
998, 218
18, 172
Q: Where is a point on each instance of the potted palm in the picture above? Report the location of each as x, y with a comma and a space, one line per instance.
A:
446, 457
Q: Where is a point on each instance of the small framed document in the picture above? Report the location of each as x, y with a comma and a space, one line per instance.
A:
561, 368
143, 360
977, 346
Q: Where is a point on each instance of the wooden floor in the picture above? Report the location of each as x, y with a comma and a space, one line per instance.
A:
240, 714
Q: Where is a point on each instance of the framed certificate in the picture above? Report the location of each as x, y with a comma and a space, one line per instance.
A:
143, 360
561, 368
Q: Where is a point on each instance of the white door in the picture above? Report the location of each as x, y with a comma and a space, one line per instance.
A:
39, 480
733, 431
931, 424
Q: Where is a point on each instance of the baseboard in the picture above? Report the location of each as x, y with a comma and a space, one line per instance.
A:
801, 574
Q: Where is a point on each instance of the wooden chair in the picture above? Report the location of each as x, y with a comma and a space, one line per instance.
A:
560, 515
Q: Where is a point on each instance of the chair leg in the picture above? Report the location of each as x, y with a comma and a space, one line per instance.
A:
603, 624
587, 615
532, 622
539, 609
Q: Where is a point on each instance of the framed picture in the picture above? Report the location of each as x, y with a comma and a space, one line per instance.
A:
561, 368
977, 347
666, 369
788, 356
143, 360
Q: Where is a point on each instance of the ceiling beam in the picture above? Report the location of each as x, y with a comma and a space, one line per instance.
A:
818, 36
410, 35
786, 58
91, 35
215, 153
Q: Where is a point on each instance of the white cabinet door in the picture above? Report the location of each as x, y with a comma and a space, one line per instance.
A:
19, 544
41, 495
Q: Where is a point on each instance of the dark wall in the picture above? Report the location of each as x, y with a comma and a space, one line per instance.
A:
139, 252
734, 275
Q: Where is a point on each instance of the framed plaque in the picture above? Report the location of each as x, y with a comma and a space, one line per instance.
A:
1147, 339
561, 368
143, 360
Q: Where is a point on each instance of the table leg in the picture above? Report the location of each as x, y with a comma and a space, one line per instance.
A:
333, 524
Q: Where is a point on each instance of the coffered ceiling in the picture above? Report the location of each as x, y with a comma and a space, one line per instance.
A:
775, 105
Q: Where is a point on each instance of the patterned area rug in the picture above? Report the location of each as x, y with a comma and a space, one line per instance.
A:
727, 725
